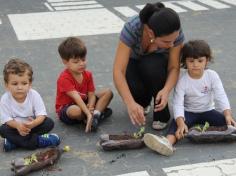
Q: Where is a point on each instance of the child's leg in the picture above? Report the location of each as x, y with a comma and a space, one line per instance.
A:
44, 127
71, 114
11, 134
213, 117
104, 98
190, 120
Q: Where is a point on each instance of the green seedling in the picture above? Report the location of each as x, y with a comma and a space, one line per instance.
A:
205, 127
139, 133
30, 160
202, 129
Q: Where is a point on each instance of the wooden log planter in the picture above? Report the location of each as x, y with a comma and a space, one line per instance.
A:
120, 142
212, 134
36, 161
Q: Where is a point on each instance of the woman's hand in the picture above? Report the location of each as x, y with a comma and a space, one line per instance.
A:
161, 100
136, 113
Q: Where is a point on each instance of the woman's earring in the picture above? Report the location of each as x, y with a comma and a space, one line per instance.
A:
152, 40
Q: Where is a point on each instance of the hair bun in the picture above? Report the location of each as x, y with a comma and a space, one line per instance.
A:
148, 11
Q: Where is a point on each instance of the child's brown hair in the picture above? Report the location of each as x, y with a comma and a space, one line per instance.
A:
195, 49
18, 67
72, 47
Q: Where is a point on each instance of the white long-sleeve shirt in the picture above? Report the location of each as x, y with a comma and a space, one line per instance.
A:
199, 95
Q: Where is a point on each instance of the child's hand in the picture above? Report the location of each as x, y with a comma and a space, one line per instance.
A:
22, 129
181, 131
30, 123
182, 128
230, 120
89, 123
90, 108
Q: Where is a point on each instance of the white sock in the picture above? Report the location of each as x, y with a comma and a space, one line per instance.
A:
96, 112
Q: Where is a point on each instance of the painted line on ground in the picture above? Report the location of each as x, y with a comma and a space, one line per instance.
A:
225, 167
174, 7
73, 3
192, 5
48, 6
233, 2
142, 173
62, 0
92, 6
58, 24
214, 4
126, 11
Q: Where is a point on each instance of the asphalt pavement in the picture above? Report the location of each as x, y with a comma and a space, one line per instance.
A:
33, 29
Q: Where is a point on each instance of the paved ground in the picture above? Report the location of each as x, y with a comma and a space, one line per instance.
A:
32, 29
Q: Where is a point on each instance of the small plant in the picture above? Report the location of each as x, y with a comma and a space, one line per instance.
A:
202, 128
139, 133
31, 159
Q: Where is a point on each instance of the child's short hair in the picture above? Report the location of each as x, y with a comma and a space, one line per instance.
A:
195, 49
18, 67
72, 47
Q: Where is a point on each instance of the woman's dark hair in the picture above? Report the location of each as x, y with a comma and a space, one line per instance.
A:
72, 47
195, 49
162, 20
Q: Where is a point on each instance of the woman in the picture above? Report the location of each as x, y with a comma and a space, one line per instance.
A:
147, 62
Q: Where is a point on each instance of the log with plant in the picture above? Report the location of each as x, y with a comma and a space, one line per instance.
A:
122, 141
37, 161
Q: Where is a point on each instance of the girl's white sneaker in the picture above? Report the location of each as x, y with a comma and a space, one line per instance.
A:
159, 144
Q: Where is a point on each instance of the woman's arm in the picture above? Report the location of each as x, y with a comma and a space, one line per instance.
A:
119, 70
173, 74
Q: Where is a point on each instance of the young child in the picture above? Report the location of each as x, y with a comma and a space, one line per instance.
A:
23, 115
76, 99
196, 92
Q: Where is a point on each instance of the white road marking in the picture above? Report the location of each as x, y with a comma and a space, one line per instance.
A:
78, 7
142, 173
174, 7
46, 25
140, 6
215, 168
48, 6
126, 11
233, 2
191, 5
62, 0
73, 3
214, 4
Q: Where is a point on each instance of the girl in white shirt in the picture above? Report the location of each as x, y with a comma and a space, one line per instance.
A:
197, 92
